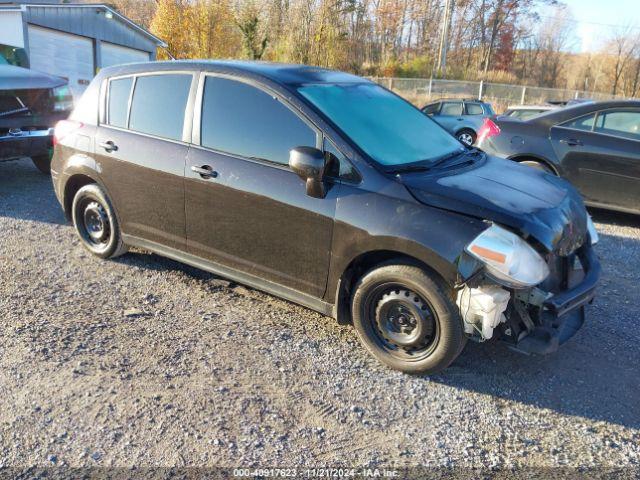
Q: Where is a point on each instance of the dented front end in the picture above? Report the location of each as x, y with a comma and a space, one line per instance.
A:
536, 319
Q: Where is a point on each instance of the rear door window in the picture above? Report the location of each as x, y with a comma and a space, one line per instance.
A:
451, 108
159, 103
581, 123
243, 120
119, 91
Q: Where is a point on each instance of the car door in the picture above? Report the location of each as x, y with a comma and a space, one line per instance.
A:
600, 154
141, 154
450, 115
253, 215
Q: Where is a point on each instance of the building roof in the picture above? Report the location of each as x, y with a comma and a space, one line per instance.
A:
23, 4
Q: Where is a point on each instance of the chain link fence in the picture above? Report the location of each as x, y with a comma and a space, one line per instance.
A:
422, 90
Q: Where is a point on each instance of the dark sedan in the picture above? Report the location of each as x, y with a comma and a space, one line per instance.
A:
594, 145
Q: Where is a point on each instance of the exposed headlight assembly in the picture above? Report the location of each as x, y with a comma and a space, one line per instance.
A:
593, 234
508, 259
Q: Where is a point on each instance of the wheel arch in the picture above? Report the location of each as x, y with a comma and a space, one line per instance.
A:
74, 183
536, 158
361, 264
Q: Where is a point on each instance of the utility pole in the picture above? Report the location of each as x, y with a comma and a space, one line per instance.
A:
444, 37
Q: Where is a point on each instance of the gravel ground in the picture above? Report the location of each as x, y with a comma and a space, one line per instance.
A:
144, 361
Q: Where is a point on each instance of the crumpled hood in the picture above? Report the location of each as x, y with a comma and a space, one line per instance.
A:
536, 204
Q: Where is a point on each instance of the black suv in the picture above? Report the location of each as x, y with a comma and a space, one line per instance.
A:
31, 103
330, 191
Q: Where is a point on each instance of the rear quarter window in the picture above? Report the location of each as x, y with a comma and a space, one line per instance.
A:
473, 109
118, 101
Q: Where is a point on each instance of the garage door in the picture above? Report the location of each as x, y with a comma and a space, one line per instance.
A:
62, 54
116, 54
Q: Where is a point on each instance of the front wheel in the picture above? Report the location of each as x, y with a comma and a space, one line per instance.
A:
96, 223
405, 318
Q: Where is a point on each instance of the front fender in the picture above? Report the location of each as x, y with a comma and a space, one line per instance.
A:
369, 222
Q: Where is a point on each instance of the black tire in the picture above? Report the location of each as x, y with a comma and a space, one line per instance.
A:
537, 165
406, 318
96, 223
42, 163
467, 136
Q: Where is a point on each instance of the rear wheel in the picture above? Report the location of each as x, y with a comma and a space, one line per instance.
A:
405, 318
467, 136
96, 223
42, 163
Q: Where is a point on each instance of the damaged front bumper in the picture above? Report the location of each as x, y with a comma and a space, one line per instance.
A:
534, 320
535, 327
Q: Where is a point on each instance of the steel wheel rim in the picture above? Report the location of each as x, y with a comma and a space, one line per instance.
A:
94, 223
401, 322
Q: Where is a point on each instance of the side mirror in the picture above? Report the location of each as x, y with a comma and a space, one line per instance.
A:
309, 164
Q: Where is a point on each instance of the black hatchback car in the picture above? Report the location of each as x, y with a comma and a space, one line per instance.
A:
330, 191
595, 145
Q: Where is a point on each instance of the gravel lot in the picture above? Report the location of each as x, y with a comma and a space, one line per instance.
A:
144, 361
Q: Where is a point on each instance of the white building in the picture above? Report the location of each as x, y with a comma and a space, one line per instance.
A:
71, 40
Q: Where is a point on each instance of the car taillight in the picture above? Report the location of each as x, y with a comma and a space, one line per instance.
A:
487, 130
64, 128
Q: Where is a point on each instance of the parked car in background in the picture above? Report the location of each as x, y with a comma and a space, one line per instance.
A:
31, 103
525, 112
595, 145
328, 190
461, 117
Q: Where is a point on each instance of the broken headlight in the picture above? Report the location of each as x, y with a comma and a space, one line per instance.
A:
507, 258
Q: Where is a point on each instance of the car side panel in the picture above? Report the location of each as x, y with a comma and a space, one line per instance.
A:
368, 221
606, 169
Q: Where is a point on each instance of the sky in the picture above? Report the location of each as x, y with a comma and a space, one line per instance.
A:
594, 17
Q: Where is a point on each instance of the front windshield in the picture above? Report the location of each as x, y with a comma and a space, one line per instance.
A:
390, 130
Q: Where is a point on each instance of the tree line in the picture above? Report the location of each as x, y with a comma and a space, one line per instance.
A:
527, 42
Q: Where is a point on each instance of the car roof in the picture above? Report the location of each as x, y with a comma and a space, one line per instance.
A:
282, 73
559, 115
453, 99
532, 107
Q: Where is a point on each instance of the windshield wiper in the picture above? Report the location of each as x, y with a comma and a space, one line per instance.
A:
421, 167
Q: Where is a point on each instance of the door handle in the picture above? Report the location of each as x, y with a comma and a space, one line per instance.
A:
572, 142
205, 171
109, 146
